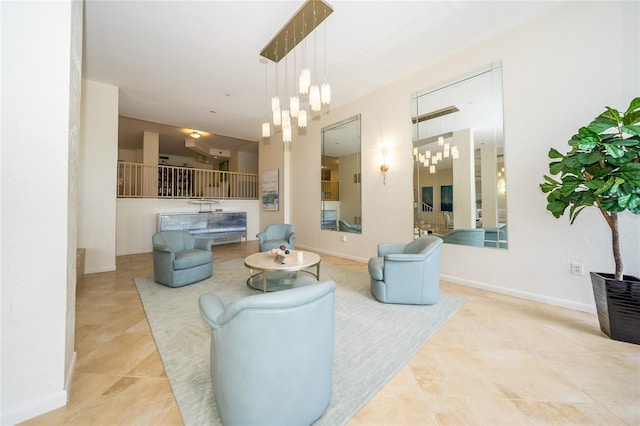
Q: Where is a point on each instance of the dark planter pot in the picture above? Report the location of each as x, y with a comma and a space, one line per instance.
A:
618, 306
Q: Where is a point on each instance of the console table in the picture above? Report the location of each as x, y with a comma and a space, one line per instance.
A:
218, 226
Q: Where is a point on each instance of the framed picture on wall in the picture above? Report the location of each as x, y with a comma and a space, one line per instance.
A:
270, 190
427, 198
446, 198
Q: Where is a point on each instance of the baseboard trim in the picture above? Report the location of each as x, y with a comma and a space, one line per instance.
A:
332, 253
35, 408
102, 269
563, 303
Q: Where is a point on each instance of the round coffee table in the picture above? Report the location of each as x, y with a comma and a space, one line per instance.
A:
282, 275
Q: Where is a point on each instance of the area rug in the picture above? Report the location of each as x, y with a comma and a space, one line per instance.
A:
373, 340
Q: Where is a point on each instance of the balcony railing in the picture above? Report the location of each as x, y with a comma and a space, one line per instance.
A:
156, 181
330, 190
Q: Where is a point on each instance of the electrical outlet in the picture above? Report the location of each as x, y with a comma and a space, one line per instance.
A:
576, 269
344, 238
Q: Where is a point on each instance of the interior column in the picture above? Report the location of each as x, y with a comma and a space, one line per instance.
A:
464, 188
489, 182
150, 153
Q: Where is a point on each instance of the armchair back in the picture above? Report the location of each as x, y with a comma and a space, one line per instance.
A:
272, 354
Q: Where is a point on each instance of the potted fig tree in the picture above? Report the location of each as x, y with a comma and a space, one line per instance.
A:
602, 170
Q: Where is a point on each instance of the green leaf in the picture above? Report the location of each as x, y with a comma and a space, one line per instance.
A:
551, 180
557, 208
571, 162
614, 151
586, 158
631, 130
634, 105
612, 114
574, 212
600, 126
594, 184
546, 187
624, 200
611, 205
555, 168
554, 153
630, 172
631, 118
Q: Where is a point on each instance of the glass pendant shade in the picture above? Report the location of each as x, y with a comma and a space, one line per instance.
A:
294, 106
277, 117
286, 133
432, 169
305, 81
266, 129
314, 98
302, 118
325, 93
440, 140
275, 103
286, 118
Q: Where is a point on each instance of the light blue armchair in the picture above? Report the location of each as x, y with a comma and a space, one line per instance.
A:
465, 236
180, 259
345, 226
276, 235
407, 273
272, 355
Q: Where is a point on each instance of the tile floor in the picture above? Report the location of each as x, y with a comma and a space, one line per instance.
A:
499, 361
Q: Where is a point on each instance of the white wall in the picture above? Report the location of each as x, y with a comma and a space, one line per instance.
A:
40, 115
137, 219
98, 174
559, 72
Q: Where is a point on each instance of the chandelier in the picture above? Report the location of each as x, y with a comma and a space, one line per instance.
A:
306, 94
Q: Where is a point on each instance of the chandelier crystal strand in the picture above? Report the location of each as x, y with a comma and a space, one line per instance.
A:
266, 126
314, 90
305, 74
275, 101
325, 89
294, 101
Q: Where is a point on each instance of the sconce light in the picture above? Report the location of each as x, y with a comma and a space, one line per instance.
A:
384, 163
194, 134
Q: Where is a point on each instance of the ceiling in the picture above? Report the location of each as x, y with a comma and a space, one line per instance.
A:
195, 65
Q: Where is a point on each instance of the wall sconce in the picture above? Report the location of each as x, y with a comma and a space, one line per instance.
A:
384, 163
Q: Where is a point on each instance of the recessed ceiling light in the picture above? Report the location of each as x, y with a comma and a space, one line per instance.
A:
194, 134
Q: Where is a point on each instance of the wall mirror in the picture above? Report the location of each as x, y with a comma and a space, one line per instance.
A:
341, 205
458, 150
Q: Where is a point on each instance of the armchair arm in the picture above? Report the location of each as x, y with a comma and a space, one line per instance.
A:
203, 244
211, 307
291, 238
405, 257
160, 247
297, 296
261, 236
390, 248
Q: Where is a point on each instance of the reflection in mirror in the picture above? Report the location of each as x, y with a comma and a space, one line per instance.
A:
459, 170
340, 177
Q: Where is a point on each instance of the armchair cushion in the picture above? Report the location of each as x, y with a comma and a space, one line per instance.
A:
464, 236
